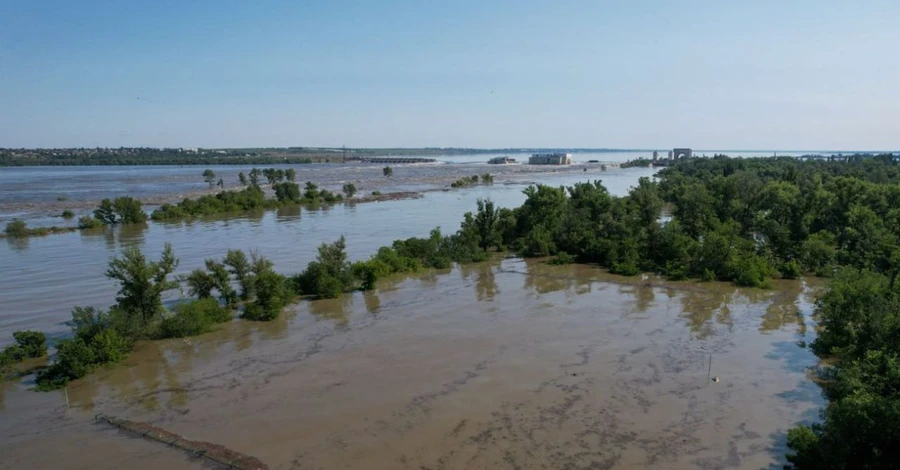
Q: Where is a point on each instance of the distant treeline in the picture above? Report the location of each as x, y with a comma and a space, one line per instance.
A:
238, 156
146, 156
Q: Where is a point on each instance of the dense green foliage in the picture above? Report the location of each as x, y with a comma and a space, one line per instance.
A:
210, 177
124, 210
387, 171
637, 163
248, 199
349, 190
193, 318
860, 428
67, 214
87, 222
29, 344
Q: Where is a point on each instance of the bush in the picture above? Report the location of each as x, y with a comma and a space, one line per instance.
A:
193, 318
109, 347
74, 359
67, 214
87, 222
791, 270
16, 228
32, 343
349, 190
561, 258
271, 297
751, 271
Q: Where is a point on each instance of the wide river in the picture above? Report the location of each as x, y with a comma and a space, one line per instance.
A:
504, 364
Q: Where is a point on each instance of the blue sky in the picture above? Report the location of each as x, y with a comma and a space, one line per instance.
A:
796, 74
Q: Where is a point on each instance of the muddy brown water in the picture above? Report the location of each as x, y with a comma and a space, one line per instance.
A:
505, 364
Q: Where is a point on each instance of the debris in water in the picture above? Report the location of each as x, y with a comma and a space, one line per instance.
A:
206, 450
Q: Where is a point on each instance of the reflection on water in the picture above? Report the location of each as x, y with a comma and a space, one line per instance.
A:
593, 361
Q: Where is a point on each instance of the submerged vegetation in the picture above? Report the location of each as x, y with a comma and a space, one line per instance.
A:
18, 228
29, 344
486, 178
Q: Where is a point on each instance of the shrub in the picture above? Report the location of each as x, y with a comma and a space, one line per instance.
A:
193, 318
561, 258
67, 214
74, 359
271, 297
109, 347
376, 193
88, 222
751, 271
16, 228
791, 270
349, 190
32, 343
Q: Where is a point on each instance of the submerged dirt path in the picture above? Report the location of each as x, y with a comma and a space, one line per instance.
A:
521, 366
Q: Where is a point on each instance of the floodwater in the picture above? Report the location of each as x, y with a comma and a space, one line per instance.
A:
44, 277
39, 194
504, 364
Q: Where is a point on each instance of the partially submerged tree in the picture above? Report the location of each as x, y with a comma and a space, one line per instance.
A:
210, 177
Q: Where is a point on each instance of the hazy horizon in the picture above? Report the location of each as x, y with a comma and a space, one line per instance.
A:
705, 74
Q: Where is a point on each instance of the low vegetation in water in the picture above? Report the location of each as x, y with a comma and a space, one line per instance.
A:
18, 228
29, 344
473, 180
67, 214
636, 163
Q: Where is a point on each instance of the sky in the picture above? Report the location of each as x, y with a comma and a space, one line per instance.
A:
779, 75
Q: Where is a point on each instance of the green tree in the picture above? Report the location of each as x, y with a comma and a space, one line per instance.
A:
287, 192
290, 174
210, 177
242, 178
16, 228
141, 284
240, 268
255, 173
388, 171
349, 189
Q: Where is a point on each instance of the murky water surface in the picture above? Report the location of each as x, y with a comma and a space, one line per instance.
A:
505, 364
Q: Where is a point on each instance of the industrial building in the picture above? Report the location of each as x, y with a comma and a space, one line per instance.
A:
550, 159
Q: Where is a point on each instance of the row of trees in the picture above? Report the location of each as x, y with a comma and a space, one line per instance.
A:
237, 282
486, 178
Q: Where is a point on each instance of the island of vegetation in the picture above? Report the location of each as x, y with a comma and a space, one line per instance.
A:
739, 220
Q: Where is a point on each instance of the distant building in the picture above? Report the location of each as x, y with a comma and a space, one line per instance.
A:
682, 153
655, 155
504, 160
550, 159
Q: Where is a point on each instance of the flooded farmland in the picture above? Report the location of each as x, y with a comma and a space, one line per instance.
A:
505, 364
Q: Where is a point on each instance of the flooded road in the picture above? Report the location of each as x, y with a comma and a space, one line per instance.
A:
44, 277
505, 364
